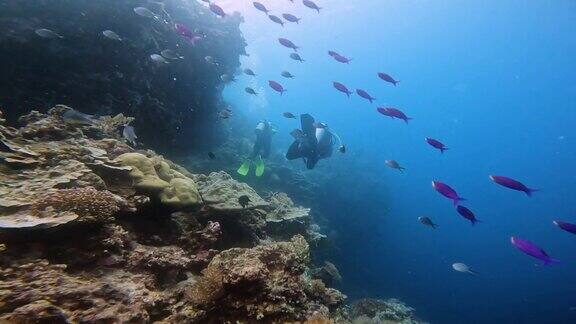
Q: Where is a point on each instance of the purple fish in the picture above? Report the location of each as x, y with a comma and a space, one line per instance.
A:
341, 58
311, 5
568, 227
277, 20
532, 250
291, 18
447, 191
467, 213
260, 7
185, 32
436, 144
512, 184
217, 10
387, 78
365, 95
394, 113
342, 88
296, 57
276, 86
288, 43
332, 53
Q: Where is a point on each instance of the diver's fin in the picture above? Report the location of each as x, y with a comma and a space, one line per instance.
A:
259, 166
294, 151
244, 168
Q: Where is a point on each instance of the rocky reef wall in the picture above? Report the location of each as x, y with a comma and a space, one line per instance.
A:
174, 103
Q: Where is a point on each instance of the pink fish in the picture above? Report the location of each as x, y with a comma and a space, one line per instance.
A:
276, 86
387, 78
467, 213
365, 95
394, 113
185, 32
342, 88
447, 191
217, 10
532, 250
436, 144
512, 184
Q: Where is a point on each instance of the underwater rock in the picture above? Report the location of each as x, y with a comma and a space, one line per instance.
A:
382, 311
220, 192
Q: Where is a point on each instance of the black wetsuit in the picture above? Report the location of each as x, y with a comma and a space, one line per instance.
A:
263, 142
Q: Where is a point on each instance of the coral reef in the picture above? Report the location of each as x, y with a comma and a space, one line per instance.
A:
92, 73
372, 311
92, 230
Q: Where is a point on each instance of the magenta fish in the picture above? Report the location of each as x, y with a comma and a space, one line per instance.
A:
365, 95
185, 32
288, 43
342, 88
217, 10
276, 86
311, 5
532, 250
276, 20
447, 191
260, 7
436, 144
467, 213
387, 78
568, 227
341, 58
291, 18
512, 184
394, 113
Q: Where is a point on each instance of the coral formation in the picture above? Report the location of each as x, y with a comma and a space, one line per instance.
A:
372, 311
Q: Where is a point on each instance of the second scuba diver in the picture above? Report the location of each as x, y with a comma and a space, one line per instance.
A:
261, 149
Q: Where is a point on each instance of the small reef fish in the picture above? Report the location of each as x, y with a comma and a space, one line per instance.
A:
145, 12
276, 86
342, 88
291, 18
296, 57
365, 95
171, 55
512, 184
276, 19
311, 5
342, 149
260, 7
244, 201
227, 78
75, 117
394, 165
467, 213
287, 74
341, 59
532, 250
387, 78
249, 72
461, 267
47, 33
157, 58
111, 35
217, 10
289, 115
209, 59
288, 43
251, 91
568, 227
427, 221
188, 34
394, 113
436, 144
211, 155
447, 191
332, 53
129, 134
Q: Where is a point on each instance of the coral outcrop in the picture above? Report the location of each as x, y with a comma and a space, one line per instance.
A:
376, 311
93, 230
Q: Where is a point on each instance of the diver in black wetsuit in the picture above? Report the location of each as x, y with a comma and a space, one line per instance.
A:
261, 149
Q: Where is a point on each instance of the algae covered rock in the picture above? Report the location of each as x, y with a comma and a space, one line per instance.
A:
222, 193
155, 175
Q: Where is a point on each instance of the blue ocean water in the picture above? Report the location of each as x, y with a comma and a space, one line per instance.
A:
495, 82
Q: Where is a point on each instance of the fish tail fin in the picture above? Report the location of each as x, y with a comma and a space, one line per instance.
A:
458, 200
550, 261
472, 272
408, 119
401, 169
443, 149
395, 82
318, 9
529, 191
434, 225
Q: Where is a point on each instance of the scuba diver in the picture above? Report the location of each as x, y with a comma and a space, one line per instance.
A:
264, 131
313, 142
